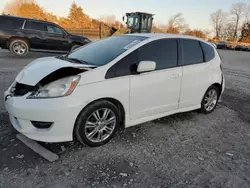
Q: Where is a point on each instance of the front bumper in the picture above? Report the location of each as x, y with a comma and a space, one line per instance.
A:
61, 111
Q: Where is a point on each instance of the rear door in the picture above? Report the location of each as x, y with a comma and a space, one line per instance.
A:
156, 92
195, 80
35, 31
56, 39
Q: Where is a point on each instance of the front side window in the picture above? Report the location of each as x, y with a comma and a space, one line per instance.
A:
54, 30
192, 52
103, 51
163, 52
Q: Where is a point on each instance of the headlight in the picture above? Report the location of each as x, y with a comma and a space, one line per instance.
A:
58, 88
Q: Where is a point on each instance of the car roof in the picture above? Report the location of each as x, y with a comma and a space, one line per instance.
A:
162, 35
23, 18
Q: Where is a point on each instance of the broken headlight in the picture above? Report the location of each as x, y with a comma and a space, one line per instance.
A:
58, 88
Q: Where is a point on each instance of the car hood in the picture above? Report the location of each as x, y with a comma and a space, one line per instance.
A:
40, 68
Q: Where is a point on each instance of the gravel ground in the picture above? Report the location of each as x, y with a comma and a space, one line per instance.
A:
183, 150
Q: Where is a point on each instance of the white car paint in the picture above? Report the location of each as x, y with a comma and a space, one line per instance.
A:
144, 97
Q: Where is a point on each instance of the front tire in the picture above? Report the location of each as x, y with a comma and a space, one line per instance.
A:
19, 47
210, 100
97, 124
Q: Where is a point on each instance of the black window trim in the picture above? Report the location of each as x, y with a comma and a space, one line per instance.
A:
181, 44
24, 22
179, 59
203, 53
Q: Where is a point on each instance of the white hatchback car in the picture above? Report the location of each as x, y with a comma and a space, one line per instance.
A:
119, 81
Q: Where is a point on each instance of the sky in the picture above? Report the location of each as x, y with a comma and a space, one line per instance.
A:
196, 12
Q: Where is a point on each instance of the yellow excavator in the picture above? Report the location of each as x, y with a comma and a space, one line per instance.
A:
137, 22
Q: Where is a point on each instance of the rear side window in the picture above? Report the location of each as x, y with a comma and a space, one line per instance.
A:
11, 23
37, 26
163, 52
208, 50
192, 52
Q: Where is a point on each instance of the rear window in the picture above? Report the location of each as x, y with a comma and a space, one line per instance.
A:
208, 51
11, 23
103, 51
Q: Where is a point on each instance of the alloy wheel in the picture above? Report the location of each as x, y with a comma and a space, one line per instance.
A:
211, 100
100, 125
19, 48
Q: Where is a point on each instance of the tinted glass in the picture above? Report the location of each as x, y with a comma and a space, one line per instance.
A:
192, 52
125, 66
35, 26
163, 52
208, 51
54, 30
11, 23
103, 51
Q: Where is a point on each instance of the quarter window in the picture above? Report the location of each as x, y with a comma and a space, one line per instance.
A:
163, 52
192, 52
11, 23
208, 51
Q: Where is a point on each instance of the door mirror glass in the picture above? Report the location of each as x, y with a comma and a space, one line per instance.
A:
146, 66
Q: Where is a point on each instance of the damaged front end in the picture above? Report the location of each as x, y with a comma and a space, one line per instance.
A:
61, 82
48, 78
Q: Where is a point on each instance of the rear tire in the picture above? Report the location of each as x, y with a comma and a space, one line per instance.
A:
210, 100
94, 128
19, 47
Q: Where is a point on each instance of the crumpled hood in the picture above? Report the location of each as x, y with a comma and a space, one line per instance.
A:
39, 68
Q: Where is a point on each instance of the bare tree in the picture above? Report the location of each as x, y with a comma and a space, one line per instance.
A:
238, 10
177, 21
218, 19
247, 14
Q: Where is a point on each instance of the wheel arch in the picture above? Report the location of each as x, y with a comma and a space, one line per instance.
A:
219, 86
114, 101
17, 38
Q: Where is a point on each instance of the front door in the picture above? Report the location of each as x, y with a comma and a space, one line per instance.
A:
156, 92
55, 39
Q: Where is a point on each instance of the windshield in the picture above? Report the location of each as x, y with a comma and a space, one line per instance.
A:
103, 51
133, 22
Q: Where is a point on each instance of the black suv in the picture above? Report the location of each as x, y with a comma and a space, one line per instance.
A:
21, 35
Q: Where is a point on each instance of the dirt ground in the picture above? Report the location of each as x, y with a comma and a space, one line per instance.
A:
180, 151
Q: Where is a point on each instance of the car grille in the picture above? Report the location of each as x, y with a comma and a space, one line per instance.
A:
21, 89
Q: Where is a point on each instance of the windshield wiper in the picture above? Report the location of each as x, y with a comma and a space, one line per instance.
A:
72, 60
78, 61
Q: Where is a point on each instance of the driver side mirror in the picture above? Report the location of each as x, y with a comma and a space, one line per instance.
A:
146, 66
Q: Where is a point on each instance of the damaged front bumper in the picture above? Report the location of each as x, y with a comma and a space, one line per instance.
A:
61, 112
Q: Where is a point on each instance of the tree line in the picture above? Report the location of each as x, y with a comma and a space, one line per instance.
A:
233, 25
